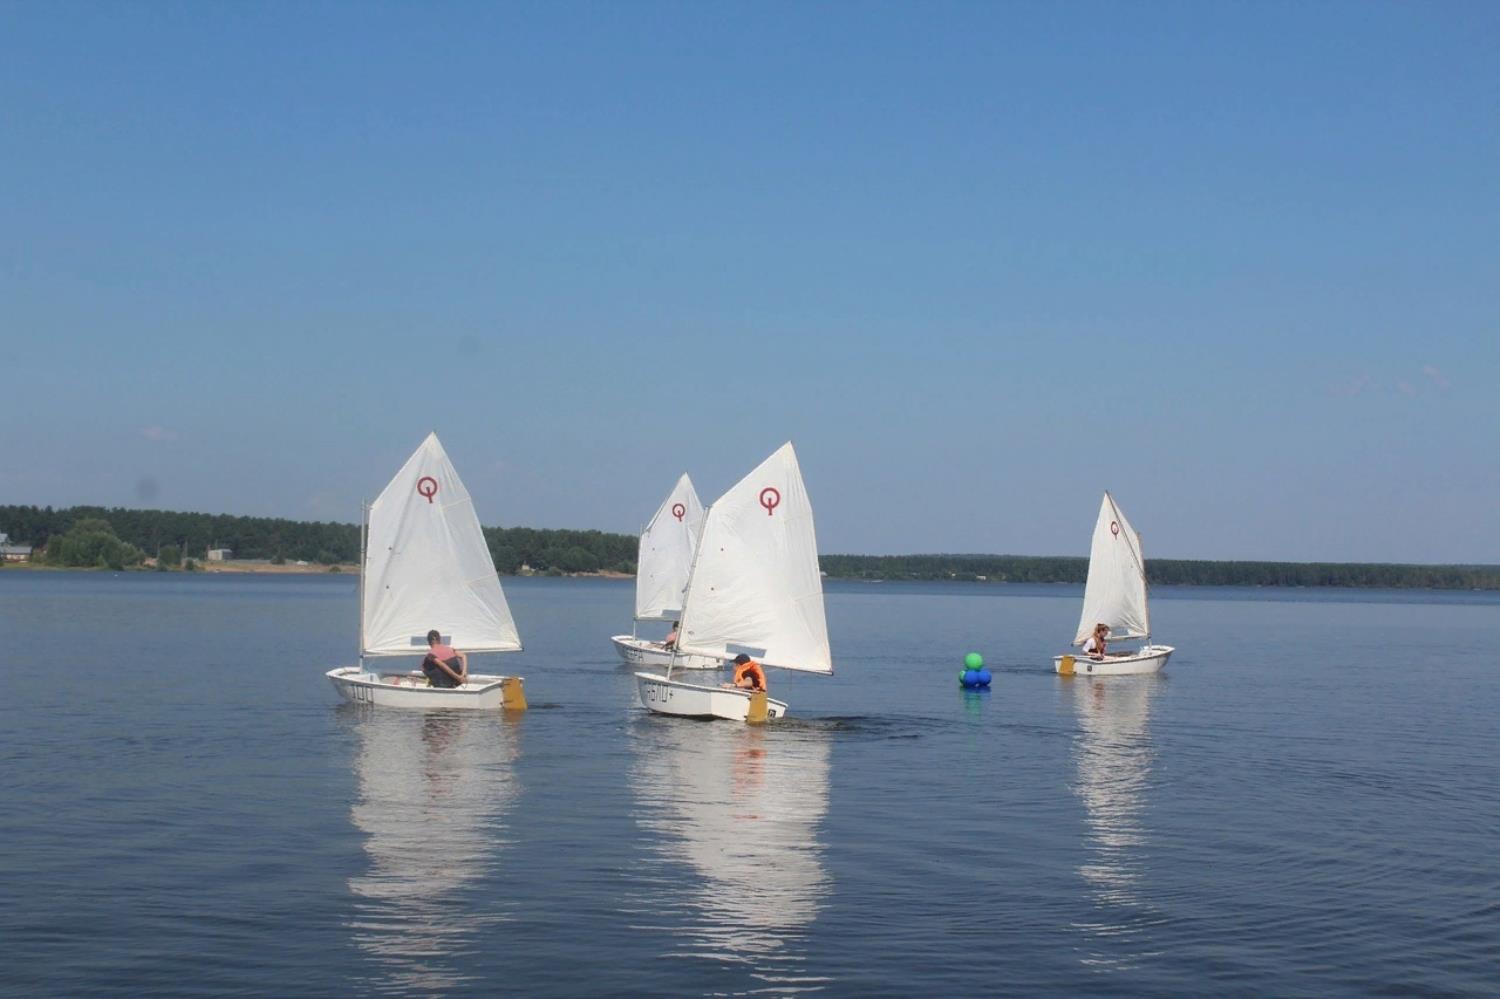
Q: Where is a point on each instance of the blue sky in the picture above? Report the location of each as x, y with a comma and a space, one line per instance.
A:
1235, 262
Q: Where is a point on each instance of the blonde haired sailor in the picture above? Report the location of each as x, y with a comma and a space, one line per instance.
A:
1093, 646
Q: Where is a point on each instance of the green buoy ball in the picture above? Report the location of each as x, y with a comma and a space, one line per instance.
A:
973, 660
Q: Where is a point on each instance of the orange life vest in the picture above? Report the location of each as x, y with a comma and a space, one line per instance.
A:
751, 669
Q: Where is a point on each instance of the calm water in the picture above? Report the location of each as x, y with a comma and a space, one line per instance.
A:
1308, 802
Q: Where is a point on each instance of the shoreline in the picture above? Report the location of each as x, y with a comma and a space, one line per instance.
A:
350, 569
233, 568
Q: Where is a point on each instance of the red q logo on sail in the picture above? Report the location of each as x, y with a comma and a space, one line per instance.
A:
427, 487
770, 498
1114, 528
679, 511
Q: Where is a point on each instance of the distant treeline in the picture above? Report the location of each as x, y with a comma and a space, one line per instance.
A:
189, 535
192, 534
1059, 569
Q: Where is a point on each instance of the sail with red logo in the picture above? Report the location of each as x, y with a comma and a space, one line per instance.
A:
427, 566
756, 586
1116, 590
666, 554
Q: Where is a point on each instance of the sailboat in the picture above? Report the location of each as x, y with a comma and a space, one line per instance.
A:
424, 565
754, 588
1115, 595
661, 573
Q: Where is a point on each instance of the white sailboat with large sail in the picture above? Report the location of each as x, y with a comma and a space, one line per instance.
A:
755, 588
661, 574
1115, 596
424, 565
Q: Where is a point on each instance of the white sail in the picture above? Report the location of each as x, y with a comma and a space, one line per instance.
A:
1116, 590
755, 586
666, 555
427, 566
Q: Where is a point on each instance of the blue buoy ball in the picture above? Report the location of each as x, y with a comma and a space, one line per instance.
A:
970, 678
983, 677
973, 660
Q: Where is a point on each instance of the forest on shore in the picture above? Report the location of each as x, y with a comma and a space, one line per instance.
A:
72, 536
118, 537
1169, 572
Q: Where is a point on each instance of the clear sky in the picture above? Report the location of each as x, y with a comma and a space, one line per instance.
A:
1237, 263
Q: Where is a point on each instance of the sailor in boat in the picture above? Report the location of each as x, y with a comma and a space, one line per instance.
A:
670, 642
1093, 646
444, 665
747, 674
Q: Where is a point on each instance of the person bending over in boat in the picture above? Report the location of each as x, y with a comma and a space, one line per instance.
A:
747, 674
1093, 646
670, 642
444, 665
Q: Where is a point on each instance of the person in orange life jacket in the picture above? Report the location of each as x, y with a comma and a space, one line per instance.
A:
747, 674
444, 666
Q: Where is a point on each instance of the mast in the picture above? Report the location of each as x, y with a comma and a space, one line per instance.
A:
635, 622
1145, 589
1137, 555
687, 589
364, 523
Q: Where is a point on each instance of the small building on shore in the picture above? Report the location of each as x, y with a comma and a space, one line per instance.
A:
220, 554
15, 553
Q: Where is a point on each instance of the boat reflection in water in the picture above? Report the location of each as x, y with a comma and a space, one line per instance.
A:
433, 789
1114, 753
734, 814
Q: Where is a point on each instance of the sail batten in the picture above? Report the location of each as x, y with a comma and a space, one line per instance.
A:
428, 566
756, 583
1115, 593
666, 554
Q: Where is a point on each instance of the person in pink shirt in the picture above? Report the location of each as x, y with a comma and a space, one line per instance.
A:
444, 665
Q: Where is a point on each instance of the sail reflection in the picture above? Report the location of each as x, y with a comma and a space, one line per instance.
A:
1114, 757
742, 806
433, 788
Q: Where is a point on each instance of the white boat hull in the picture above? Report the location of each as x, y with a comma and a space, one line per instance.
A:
1145, 660
693, 700
483, 692
640, 652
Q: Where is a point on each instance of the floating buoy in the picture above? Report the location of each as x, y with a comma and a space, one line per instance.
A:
974, 674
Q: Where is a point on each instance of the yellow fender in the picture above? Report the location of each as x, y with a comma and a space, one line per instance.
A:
757, 713
512, 694
1065, 666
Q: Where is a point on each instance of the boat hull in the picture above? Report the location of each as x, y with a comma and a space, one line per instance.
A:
1146, 660
483, 692
695, 700
640, 652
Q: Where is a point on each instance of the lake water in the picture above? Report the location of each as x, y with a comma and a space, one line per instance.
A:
1307, 802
